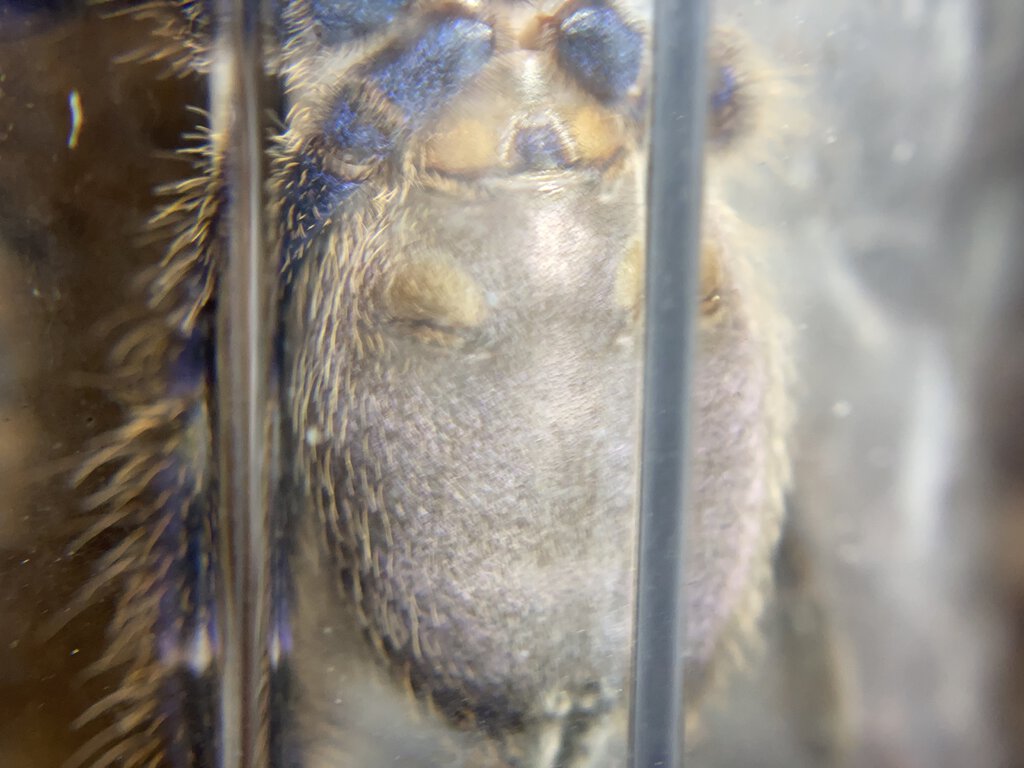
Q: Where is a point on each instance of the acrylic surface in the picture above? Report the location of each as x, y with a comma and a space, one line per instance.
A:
453, 238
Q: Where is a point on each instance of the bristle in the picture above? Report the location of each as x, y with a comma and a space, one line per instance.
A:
155, 496
182, 31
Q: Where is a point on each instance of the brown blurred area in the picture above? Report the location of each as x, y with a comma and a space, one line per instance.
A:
995, 181
72, 221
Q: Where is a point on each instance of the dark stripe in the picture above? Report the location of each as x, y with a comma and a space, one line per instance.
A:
598, 48
421, 79
538, 148
359, 137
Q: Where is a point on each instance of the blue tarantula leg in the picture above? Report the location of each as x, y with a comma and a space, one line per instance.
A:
443, 60
601, 51
319, 174
339, 21
158, 502
160, 498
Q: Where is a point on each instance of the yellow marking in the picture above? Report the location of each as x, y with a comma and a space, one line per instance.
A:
466, 146
77, 117
710, 277
436, 290
629, 279
599, 134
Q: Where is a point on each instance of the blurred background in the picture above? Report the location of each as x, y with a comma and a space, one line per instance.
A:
891, 210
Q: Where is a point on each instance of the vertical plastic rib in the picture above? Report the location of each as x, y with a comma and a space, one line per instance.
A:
673, 248
242, 381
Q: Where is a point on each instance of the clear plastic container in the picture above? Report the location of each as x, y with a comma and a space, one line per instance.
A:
411, 383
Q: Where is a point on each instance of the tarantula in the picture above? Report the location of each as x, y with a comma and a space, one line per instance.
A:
457, 228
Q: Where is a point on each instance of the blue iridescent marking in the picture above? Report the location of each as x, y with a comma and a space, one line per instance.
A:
311, 194
189, 369
314, 193
187, 608
539, 147
601, 51
344, 20
444, 59
182, 550
360, 138
726, 90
